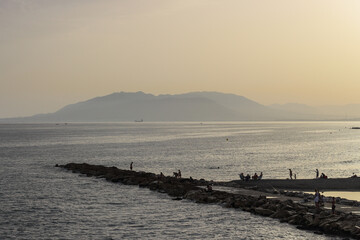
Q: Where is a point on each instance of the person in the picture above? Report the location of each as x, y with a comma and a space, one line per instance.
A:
317, 173
179, 174
321, 200
242, 177
290, 173
333, 205
131, 166
260, 176
295, 176
247, 178
209, 188
255, 177
354, 175
161, 175
317, 198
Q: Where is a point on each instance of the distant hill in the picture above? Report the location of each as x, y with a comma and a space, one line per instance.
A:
194, 106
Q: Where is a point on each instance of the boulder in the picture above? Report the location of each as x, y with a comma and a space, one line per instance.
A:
264, 212
282, 214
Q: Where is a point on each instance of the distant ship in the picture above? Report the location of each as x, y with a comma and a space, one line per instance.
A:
141, 120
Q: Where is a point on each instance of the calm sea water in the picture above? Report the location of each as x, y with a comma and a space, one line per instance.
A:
39, 201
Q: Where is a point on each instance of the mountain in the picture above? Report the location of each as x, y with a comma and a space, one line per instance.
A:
194, 106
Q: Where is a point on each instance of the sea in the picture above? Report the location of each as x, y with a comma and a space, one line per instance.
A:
40, 201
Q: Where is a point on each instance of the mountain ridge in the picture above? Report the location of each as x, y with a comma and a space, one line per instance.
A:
192, 106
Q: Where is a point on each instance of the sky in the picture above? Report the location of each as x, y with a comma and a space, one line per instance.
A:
58, 52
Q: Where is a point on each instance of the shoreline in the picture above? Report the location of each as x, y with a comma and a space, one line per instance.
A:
284, 208
309, 185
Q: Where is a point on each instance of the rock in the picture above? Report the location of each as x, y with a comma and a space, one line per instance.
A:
264, 212
282, 214
260, 202
154, 185
297, 219
177, 199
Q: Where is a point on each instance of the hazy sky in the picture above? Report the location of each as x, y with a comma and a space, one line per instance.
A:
57, 52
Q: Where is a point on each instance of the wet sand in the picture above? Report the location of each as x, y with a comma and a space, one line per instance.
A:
254, 193
331, 184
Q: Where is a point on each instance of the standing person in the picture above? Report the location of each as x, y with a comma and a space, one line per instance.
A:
179, 174
333, 205
260, 176
317, 198
317, 173
131, 166
290, 173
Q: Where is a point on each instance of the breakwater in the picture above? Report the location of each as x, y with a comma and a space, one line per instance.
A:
304, 217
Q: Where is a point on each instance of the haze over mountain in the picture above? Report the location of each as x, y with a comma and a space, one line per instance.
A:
194, 106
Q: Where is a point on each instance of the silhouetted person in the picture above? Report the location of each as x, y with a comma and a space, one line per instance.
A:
290, 173
247, 178
260, 176
333, 205
317, 173
317, 198
255, 177
131, 166
242, 177
209, 188
179, 174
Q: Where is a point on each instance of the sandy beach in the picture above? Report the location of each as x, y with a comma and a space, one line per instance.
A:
332, 184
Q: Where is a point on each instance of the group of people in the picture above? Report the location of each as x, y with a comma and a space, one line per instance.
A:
248, 177
175, 174
293, 176
319, 201
323, 176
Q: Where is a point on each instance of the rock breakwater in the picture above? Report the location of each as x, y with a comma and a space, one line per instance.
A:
304, 217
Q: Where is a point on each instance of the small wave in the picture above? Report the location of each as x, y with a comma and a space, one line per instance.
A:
250, 153
347, 162
116, 203
213, 167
